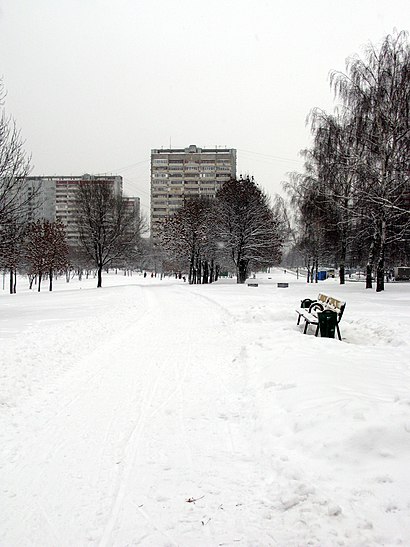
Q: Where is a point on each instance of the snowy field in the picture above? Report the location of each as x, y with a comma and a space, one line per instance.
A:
152, 413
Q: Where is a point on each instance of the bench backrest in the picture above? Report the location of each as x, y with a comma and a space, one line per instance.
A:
336, 305
331, 303
322, 298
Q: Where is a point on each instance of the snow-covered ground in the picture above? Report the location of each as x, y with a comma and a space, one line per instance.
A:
153, 413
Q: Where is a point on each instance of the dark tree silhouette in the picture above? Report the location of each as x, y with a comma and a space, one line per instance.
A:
187, 239
376, 94
247, 227
15, 196
355, 191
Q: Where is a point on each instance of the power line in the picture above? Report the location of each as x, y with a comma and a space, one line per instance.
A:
135, 185
270, 156
125, 168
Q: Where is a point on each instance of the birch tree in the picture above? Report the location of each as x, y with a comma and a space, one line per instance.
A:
376, 94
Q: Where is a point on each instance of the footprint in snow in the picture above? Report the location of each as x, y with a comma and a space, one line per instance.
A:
278, 386
383, 479
243, 355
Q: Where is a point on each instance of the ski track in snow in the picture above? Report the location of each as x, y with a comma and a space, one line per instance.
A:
186, 416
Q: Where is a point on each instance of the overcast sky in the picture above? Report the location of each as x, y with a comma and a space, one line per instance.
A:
95, 84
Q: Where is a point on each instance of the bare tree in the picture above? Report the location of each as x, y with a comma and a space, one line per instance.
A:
247, 226
376, 94
11, 250
109, 230
15, 197
188, 239
356, 186
46, 249
315, 223
336, 156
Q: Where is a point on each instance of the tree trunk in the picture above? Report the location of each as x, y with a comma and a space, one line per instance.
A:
99, 276
11, 281
369, 265
308, 271
40, 276
316, 270
191, 267
369, 269
205, 277
217, 268
198, 269
242, 271
380, 262
343, 250
50, 273
211, 271
342, 274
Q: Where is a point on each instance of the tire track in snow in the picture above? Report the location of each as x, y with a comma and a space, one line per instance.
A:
122, 410
132, 446
130, 454
174, 348
83, 384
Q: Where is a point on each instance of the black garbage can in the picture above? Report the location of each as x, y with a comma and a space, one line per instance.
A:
327, 323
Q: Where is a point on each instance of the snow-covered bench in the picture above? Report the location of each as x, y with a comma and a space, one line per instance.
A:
310, 308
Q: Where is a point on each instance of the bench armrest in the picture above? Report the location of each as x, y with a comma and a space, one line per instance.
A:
316, 306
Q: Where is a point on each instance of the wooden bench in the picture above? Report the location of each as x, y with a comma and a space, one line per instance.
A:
310, 308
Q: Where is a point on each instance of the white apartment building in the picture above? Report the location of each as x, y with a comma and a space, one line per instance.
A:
55, 198
179, 173
133, 205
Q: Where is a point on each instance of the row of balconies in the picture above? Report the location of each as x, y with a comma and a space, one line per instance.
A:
186, 180
194, 169
179, 188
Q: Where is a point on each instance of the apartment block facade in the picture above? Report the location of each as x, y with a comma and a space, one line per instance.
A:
55, 198
178, 173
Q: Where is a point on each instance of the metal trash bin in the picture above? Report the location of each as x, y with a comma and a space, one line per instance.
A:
327, 323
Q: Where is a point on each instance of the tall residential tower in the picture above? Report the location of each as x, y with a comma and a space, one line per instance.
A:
177, 173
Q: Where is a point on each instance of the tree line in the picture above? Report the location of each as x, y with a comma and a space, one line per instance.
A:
109, 236
237, 230
351, 204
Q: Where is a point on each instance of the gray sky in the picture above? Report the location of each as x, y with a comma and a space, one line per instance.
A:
95, 84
